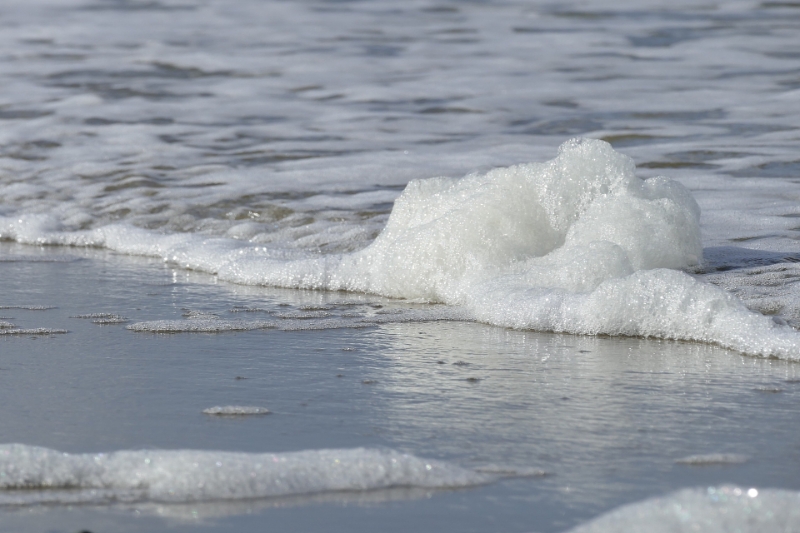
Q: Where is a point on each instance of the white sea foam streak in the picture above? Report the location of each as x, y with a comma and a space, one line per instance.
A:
725, 509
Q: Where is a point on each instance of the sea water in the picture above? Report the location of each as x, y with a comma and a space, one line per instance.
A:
620, 169
111, 427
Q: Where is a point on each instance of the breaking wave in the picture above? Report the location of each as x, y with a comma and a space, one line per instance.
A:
578, 244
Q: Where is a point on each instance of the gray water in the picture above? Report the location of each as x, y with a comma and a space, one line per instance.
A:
296, 124
605, 418
293, 127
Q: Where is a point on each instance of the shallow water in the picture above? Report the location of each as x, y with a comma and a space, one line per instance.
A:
298, 123
605, 418
294, 125
197, 132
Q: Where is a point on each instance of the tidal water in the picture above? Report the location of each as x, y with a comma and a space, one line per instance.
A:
579, 424
195, 202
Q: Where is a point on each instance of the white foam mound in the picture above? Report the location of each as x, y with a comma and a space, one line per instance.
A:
578, 244
569, 223
714, 510
30, 474
201, 325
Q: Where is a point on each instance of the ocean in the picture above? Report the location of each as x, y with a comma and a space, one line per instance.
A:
430, 265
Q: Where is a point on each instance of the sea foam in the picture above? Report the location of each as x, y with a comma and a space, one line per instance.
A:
578, 244
724, 509
30, 474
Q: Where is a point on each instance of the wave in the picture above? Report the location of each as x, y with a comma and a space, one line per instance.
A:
578, 244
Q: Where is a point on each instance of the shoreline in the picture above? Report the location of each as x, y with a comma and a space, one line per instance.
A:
607, 418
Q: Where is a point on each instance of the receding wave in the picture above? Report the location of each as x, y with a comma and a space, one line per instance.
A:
713, 459
33, 475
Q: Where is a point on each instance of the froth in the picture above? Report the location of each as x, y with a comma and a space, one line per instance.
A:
189, 475
5, 330
578, 244
569, 223
714, 510
236, 410
713, 459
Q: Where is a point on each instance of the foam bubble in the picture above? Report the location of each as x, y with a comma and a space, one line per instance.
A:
32, 331
109, 321
199, 325
236, 410
724, 509
713, 459
30, 474
103, 319
578, 244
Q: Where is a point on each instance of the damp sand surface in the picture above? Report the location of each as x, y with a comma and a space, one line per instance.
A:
602, 421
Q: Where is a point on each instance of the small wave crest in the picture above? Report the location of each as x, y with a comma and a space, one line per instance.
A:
5, 330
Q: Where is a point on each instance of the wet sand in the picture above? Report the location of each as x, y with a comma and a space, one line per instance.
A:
610, 420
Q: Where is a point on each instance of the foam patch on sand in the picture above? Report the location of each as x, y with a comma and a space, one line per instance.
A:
724, 509
713, 459
201, 325
578, 244
31, 475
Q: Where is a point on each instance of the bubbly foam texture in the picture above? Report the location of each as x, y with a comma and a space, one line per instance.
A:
108, 129
4, 330
569, 223
578, 244
30, 474
713, 459
201, 325
236, 410
724, 509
